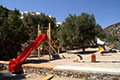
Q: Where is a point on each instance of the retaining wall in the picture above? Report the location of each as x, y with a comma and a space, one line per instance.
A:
72, 74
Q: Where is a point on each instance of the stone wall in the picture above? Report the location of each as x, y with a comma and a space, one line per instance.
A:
3, 67
81, 75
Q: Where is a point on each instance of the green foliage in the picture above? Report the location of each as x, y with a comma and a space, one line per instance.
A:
12, 33
100, 32
65, 33
78, 30
75, 31
33, 19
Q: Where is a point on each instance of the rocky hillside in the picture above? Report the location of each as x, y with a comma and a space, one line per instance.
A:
113, 30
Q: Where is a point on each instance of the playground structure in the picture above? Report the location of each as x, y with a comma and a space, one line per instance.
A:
14, 66
105, 48
53, 49
102, 47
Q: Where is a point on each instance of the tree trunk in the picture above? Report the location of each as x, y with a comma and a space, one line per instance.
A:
83, 48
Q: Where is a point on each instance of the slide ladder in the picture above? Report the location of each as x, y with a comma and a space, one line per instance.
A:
54, 48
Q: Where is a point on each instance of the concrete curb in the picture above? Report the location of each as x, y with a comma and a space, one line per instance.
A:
89, 69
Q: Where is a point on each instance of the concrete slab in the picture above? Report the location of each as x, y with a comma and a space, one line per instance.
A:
89, 69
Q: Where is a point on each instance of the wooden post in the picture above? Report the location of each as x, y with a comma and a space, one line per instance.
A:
49, 36
39, 32
49, 31
58, 50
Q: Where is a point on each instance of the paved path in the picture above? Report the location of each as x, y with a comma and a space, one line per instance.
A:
89, 69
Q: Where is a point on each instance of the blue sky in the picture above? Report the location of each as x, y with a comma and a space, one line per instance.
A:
106, 12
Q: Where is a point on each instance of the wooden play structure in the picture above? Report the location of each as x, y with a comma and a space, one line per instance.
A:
14, 65
53, 49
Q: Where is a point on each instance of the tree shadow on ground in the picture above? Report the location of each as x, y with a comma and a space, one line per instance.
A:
110, 51
86, 52
79, 47
92, 52
7, 76
37, 61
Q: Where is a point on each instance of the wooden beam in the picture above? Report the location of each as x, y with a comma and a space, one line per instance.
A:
76, 60
44, 28
48, 77
52, 48
54, 43
48, 51
39, 32
55, 46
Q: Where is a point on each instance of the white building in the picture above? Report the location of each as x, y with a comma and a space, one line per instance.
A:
38, 13
58, 24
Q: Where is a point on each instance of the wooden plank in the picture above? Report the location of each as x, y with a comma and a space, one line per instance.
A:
48, 77
39, 66
53, 48
48, 51
76, 60
45, 47
54, 44
43, 28
4, 62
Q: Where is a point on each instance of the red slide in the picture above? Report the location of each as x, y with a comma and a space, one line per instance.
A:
14, 66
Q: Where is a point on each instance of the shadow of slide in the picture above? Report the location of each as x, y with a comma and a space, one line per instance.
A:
7, 76
86, 52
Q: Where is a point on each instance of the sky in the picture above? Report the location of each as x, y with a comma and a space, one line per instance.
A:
106, 12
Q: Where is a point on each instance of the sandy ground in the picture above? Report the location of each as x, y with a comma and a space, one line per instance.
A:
109, 60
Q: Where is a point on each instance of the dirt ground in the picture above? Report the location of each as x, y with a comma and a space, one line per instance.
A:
4, 75
110, 59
